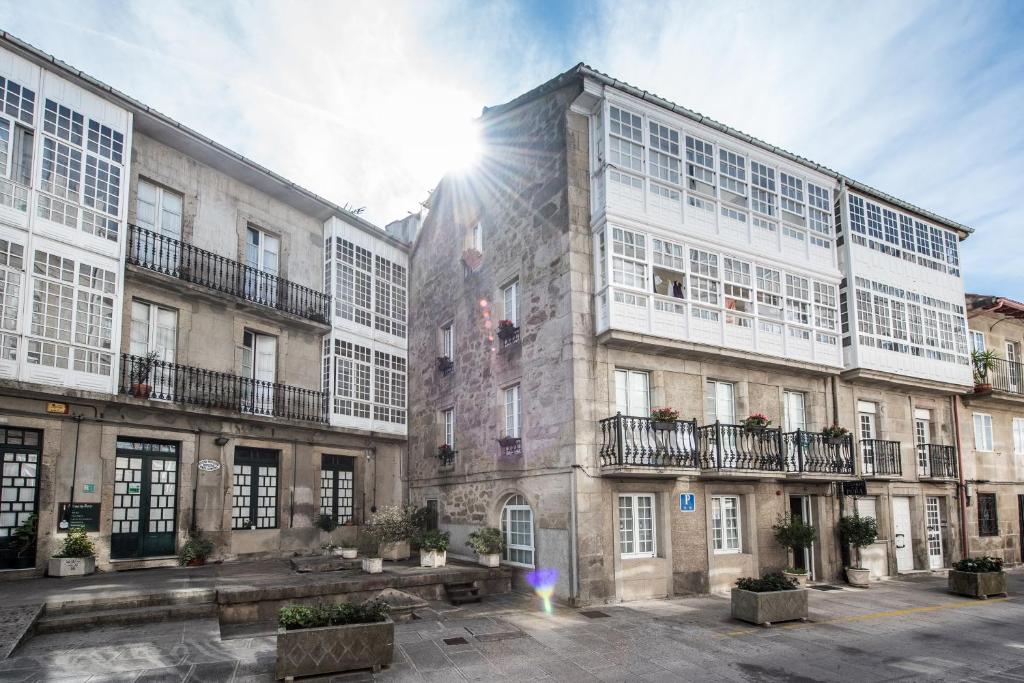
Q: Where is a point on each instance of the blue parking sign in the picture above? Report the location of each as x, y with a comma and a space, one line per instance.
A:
686, 502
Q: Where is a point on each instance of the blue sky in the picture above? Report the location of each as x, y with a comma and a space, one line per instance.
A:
360, 101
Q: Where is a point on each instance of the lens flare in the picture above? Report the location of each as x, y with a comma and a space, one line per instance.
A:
543, 583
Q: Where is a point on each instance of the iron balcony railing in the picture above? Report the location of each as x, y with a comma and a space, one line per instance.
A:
1007, 376
212, 389
935, 461
880, 458
735, 447
815, 453
173, 257
641, 442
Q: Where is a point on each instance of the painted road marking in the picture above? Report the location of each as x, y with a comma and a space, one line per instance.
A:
873, 615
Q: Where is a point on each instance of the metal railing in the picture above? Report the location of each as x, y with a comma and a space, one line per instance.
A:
815, 453
508, 337
175, 258
735, 447
880, 458
1007, 376
642, 442
935, 461
212, 389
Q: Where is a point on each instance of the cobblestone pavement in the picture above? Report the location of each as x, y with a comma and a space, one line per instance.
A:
905, 629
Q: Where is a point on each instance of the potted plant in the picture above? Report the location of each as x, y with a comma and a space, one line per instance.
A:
835, 434
756, 423
433, 548
369, 548
445, 364
24, 540
792, 534
978, 577
769, 599
664, 419
392, 528
982, 363
325, 639
195, 550
506, 329
488, 545
77, 557
326, 522
140, 373
859, 532
348, 550
329, 549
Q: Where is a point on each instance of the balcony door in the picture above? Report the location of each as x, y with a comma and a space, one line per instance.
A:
155, 329
867, 430
633, 393
1013, 362
794, 412
720, 402
158, 210
262, 254
922, 437
259, 364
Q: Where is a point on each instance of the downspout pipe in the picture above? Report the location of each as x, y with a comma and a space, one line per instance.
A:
962, 487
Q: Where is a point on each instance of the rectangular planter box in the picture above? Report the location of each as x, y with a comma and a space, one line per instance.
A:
768, 608
71, 566
333, 649
373, 565
399, 550
977, 584
433, 558
491, 560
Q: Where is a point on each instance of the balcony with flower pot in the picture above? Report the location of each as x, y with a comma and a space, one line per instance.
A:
656, 445
508, 333
936, 462
445, 365
446, 455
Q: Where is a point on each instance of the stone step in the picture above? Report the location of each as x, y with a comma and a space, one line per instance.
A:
80, 621
194, 596
461, 593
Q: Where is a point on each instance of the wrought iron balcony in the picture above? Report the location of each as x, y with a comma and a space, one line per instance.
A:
736, 447
628, 441
508, 336
212, 389
815, 453
175, 258
446, 456
880, 458
935, 461
1007, 376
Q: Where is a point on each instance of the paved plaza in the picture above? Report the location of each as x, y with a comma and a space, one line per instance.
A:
903, 629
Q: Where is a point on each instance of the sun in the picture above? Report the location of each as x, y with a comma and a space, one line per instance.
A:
462, 148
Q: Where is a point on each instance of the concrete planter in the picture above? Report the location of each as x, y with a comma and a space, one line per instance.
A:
349, 553
433, 558
373, 565
859, 578
768, 608
333, 649
801, 579
71, 566
398, 550
489, 560
977, 584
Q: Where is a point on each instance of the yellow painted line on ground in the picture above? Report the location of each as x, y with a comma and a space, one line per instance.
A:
872, 615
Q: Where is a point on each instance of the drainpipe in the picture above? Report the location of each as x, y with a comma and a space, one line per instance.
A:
574, 574
962, 487
193, 526
291, 499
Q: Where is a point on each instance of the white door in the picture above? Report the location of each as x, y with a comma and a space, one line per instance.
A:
719, 402
934, 528
632, 393
903, 538
795, 414
867, 431
922, 436
259, 363
154, 329
262, 253
1013, 362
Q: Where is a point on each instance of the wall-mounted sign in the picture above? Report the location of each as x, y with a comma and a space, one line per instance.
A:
80, 515
58, 408
208, 465
134, 489
88, 488
855, 488
687, 502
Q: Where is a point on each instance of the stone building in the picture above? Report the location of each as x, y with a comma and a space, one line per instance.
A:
189, 341
992, 432
614, 253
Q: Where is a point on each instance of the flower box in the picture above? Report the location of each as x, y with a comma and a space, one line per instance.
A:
334, 649
71, 566
858, 577
767, 608
489, 560
977, 584
373, 565
663, 426
433, 558
394, 551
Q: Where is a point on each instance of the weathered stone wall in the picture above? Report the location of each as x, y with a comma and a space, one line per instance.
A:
519, 197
